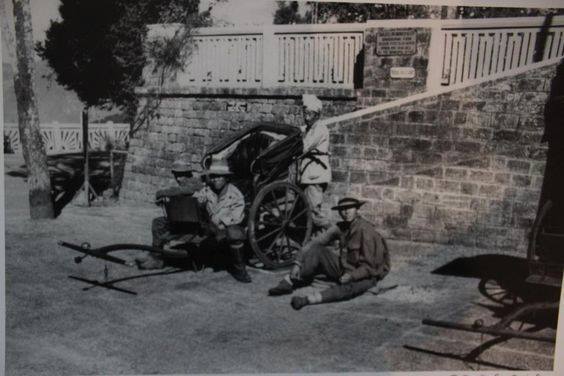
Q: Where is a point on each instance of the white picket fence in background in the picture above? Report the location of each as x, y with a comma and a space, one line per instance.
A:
67, 138
325, 55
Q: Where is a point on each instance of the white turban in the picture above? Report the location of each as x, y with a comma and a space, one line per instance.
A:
311, 102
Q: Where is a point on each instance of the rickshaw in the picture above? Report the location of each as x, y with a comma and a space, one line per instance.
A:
545, 262
264, 160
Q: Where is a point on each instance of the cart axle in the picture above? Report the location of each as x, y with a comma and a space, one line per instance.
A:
495, 330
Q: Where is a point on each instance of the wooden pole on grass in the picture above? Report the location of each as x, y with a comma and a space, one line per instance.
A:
86, 185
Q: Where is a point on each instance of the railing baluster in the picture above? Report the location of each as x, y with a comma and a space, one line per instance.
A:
555, 44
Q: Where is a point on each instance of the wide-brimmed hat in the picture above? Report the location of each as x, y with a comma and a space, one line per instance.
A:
348, 202
218, 167
182, 163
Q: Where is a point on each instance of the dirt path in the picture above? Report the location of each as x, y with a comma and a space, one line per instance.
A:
188, 322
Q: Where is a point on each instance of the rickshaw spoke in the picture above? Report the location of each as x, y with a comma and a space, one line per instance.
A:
267, 223
294, 227
268, 209
288, 242
298, 215
275, 199
289, 212
274, 241
286, 214
269, 234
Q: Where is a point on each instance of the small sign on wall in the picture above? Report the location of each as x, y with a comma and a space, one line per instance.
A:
399, 42
236, 106
402, 72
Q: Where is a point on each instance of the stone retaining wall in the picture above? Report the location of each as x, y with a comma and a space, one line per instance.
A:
464, 167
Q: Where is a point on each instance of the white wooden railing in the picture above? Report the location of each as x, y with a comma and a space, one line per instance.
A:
288, 55
325, 55
480, 48
67, 138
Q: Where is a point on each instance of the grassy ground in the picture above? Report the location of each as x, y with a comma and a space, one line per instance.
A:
206, 322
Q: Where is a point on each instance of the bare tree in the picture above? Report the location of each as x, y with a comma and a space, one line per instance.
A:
38, 180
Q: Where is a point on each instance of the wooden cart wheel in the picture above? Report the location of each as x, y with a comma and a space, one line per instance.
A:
279, 223
492, 290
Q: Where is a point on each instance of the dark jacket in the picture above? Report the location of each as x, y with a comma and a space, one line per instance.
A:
363, 252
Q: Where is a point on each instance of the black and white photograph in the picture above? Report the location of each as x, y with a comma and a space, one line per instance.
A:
282, 187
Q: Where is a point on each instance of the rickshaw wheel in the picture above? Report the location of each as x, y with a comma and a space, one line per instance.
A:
494, 291
279, 224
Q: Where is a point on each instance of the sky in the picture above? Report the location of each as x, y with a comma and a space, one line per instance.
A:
42, 12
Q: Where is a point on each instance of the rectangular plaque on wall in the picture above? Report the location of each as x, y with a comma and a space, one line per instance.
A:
396, 42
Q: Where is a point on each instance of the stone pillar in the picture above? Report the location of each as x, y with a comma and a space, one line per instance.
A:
396, 63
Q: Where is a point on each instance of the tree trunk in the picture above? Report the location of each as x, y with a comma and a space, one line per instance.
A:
449, 12
38, 179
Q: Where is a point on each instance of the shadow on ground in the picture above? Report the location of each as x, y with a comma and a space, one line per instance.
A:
503, 284
502, 278
67, 175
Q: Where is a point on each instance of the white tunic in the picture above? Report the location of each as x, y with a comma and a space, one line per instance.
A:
315, 169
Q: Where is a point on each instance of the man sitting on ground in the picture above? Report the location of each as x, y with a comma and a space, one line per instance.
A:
363, 259
224, 207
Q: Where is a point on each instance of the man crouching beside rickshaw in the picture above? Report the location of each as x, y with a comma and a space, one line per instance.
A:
224, 207
363, 259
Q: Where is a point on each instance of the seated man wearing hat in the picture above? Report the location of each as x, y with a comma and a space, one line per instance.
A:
314, 169
224, 205
363, 259
161, 229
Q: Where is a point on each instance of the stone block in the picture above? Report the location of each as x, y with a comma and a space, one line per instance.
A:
372, 192
424, 183
399, 116
416, 116
474, 105
435, 172
490, 190
407, 182
407, 129
391, 182
443, 145
502, 178
431, 116
358, 177
357, 139
468, 147
536, 153
445, 118
521, 181
505, 120
377, 177
448, 104
448, 186
336, 138
339, 151
538, 168
480, 134
469, 188
506, 135
519, 166
480, 176
340, 176
456, 173
528, 85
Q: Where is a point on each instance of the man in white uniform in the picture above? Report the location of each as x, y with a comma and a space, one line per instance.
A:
314, 171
